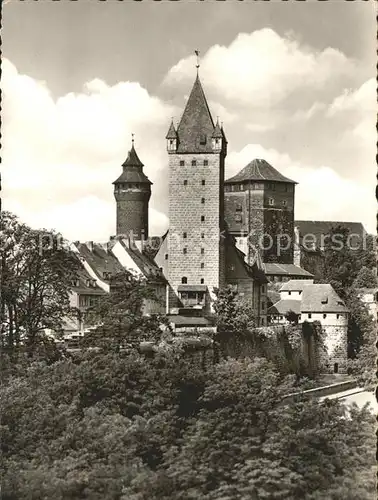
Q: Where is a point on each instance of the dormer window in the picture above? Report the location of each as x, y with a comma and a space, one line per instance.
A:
324, 300
75, 282
202, 139
106, 275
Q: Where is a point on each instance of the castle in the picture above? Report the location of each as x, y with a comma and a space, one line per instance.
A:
240, 232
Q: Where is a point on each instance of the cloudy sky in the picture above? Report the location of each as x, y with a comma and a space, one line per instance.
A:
293, 83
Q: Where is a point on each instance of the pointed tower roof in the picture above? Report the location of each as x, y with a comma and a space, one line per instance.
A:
196, 127
259, 170
132, 159
217, 134
172, 134
133, 169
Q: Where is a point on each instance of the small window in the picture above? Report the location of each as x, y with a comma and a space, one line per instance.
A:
202, 251
203, 182
185, 250
202, 281
202, 139
238, 207
202, 265
205, 163
166, 256
309, 315
324, 316
238, 218
182, 163
336, 368
185, 182
284, 203
184, 235
184, 280
202, 200
241, 187
203, 236
202, 218
194, 163
289, 293
337, 316
271, 201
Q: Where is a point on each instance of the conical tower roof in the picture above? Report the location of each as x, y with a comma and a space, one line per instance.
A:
132, 159
133, 170
196, 127
172, 134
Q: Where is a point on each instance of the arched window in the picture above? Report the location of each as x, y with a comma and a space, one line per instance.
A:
184, 280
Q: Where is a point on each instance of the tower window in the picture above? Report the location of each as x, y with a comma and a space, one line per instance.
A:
185, 250
171, 142
202, 265
284, 203
202, 200
182, 163
205, 163
194, 163
241, 187
166, 256
202, 218
185, 182
324, 316
309, 315
203, 235
202, 251
202, 281
184, 235
239, 207
184, 280
271, 201
238, 218
203, 182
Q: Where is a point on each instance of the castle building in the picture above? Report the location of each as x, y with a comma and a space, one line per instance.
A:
196, 248
316, 302
132, 191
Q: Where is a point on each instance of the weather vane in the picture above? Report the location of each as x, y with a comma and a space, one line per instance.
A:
197, 54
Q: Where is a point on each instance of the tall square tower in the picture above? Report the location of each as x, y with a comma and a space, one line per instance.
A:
196, 248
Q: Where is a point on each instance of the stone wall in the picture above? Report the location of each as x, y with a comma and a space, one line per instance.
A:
199, 254
132, 212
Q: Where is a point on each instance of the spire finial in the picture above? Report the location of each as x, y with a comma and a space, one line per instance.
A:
132, 140
198, 64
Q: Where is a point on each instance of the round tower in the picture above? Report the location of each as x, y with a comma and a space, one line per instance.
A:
132, 191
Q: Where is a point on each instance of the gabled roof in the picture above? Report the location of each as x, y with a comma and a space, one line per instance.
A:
284, 306
196, 122
295, 285
237, 267
146, 265
274, 269
83, 287
217, 134
321, 298
259, 170
100, 260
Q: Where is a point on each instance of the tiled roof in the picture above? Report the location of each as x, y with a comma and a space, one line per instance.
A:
172, 134
153, 244
196, 123
235, 259
284, 306
321, 298
132, 170
180, 320
132, 159
259, 170
83, 288
322, 228
295, 285
146, 265
274, 269
100, 260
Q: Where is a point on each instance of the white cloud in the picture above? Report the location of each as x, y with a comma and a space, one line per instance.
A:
261, 69
321, 193
60, 157
362, 100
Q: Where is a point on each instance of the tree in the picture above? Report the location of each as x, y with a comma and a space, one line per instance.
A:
366, 278
292, 317
118, 319
232, 313
340, 262
37, 270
